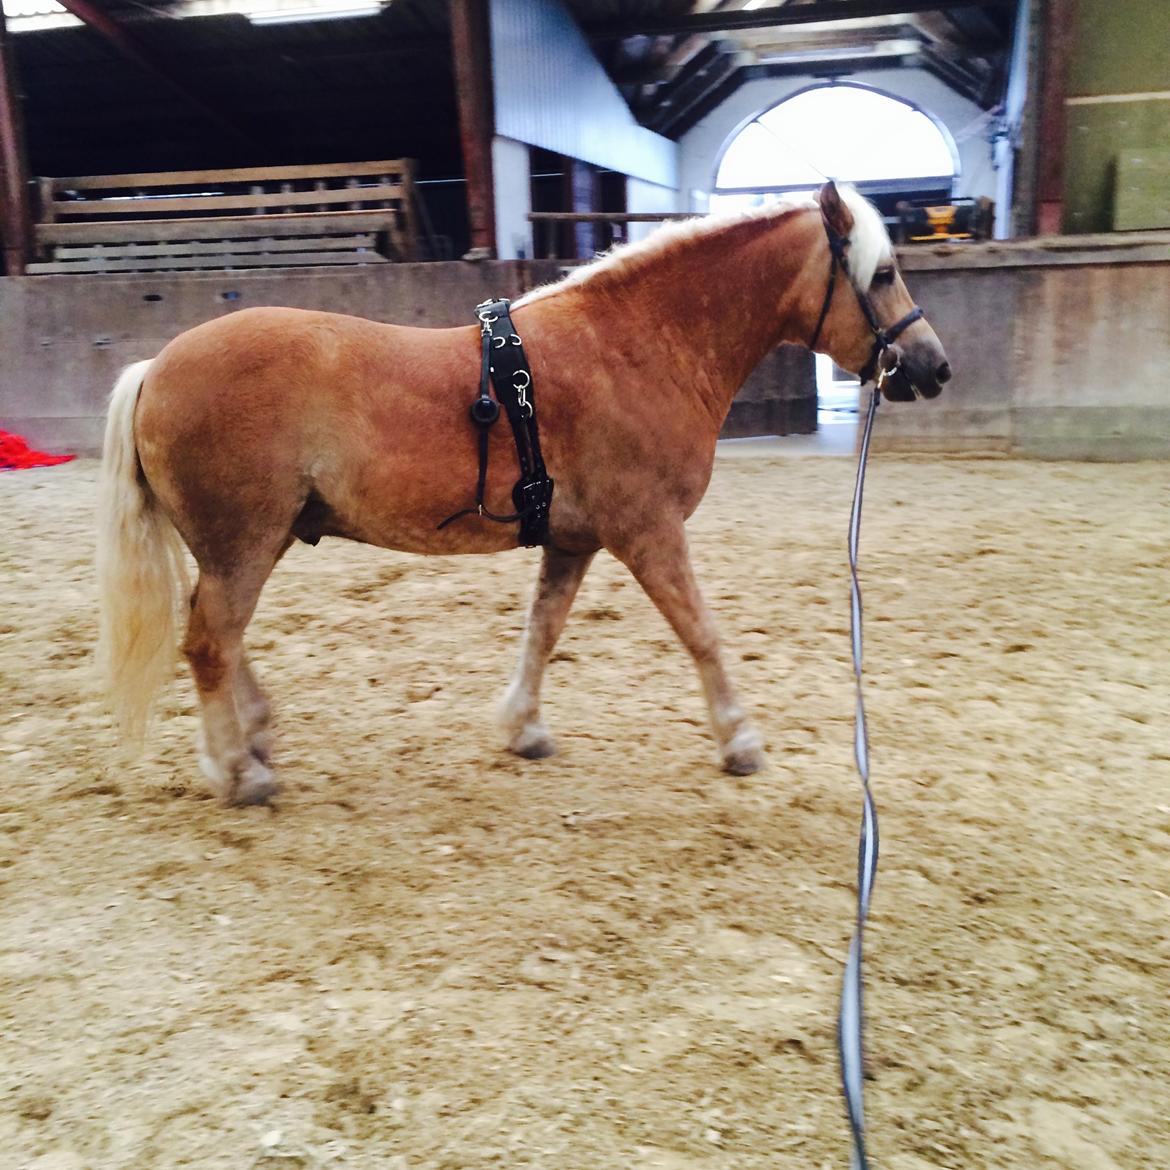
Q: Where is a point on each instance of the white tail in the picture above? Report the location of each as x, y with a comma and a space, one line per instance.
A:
142, 576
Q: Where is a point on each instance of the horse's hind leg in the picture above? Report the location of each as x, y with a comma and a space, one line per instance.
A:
519, 715
220, 611
661, 563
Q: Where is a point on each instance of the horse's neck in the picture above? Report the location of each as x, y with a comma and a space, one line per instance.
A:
704, 314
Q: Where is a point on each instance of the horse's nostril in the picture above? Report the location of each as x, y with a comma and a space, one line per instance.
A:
943, 373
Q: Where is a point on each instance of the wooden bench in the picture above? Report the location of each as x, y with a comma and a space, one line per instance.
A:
356, 213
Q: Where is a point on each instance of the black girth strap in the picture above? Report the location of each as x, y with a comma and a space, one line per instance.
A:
505, 369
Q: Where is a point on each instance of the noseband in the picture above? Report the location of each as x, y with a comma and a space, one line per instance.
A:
883, 338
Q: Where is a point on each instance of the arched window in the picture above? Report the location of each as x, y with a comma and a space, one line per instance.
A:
885, 146
838, 131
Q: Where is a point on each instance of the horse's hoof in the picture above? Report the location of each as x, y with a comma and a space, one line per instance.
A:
533, 743
255, 784
744, 753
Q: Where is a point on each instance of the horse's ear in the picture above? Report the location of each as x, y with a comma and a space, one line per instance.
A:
833, 208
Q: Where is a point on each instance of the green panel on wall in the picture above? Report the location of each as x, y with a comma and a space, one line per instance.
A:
1096, 135
1141, 194
1119, 46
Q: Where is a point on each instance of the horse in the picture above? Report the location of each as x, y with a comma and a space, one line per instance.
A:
267, 425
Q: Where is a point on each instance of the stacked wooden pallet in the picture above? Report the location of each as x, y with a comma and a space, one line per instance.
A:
356, 213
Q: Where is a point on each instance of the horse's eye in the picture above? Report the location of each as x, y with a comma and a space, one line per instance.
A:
884, 276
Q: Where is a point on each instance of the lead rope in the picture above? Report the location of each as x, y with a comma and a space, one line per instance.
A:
850, 1018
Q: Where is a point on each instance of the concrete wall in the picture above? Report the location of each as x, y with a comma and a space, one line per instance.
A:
1059, 352
63, 339
1060, 348
703, 145
779, 397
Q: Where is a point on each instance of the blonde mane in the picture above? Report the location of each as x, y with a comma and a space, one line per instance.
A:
869, 242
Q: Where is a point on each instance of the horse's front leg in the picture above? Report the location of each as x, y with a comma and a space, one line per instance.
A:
661, 564
255, 712
519, 714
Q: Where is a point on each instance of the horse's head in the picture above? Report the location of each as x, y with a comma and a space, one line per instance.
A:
875, 326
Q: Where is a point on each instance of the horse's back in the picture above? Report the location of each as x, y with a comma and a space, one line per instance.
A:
279, 352
266, 410
277, 375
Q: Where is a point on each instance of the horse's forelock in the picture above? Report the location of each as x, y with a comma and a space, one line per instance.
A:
869, 242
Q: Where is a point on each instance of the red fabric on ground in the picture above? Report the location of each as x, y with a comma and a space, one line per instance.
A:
16, 454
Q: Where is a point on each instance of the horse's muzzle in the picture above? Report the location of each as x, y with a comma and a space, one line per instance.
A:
907, 381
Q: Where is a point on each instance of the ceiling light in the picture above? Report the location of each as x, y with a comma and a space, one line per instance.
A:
29, 15
320, 10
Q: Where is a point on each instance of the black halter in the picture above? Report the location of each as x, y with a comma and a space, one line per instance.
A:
883, 338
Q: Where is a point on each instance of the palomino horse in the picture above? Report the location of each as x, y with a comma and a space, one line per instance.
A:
271, 424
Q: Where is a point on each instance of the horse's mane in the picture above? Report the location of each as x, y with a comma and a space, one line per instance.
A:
868, 241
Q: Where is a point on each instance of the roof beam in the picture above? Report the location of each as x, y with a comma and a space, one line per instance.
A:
134, 50
718, 62
737, 20
824, 72
971, 84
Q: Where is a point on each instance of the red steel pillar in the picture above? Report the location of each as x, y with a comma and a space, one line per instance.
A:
15, 212
472, 57
1053, 118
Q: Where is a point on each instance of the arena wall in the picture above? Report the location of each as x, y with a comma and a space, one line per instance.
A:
63, 339
1060, 348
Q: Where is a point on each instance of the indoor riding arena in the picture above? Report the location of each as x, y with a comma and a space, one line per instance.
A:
373, 933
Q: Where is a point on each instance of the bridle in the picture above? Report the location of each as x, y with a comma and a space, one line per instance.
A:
883, 338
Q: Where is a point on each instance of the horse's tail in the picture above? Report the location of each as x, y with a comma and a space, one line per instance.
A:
141, 572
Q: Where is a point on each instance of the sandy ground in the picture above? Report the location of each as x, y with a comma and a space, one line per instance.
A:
433, 955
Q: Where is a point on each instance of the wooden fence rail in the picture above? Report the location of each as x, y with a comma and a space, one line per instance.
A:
347, 213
